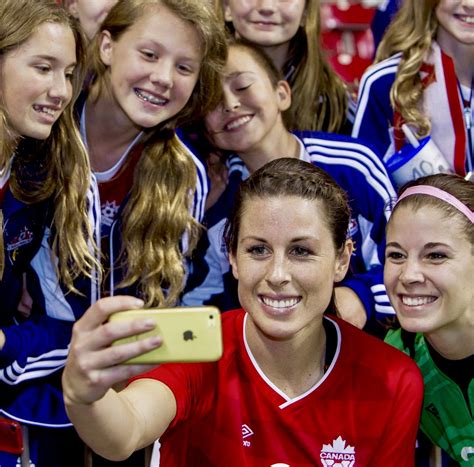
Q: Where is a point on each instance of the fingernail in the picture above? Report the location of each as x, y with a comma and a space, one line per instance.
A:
139, 303
155, 340
149, 323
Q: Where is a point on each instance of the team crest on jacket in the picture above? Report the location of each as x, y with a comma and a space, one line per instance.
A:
337, 454
23, 238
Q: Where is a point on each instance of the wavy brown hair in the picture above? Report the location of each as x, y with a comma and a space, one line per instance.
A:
62, 164
158, 213
319, 97
411, 33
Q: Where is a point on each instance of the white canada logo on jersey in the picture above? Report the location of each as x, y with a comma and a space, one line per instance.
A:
337, 454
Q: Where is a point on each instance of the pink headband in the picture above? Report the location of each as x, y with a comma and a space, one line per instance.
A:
440, 194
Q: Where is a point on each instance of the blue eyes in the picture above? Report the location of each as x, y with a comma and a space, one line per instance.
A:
262, 250
257, 250
299, 251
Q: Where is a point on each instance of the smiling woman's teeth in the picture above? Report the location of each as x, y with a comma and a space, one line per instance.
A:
417, 301
467, 19
280, 303
46, 110
145, 96
236, 123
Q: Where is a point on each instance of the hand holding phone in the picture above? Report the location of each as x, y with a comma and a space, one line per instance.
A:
190, 334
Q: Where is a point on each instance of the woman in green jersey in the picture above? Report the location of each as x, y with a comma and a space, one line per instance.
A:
429, 272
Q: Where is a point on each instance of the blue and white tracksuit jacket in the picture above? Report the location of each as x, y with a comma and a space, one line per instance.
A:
444, 101
386, 11
357, 169
373, 121
36, 348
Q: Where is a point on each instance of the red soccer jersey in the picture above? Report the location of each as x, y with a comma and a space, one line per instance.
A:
364, 411
114, 191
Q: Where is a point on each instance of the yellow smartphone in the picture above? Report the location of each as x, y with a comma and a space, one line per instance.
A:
190, 334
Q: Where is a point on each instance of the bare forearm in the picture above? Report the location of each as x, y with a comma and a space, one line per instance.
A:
107, 426
114, 424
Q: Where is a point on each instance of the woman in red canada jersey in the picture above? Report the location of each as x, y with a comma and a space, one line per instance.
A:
292, 387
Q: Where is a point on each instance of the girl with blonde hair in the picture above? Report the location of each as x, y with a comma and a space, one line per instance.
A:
155, 64
289, 32
47, 203
422, 78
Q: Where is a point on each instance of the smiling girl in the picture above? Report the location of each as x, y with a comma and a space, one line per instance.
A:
289, 33
423, 78
155, 66
429, 272
47, 206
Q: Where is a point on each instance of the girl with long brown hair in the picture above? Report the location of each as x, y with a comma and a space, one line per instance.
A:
48, 211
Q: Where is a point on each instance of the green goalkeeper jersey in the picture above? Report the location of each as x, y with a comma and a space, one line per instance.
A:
446, 418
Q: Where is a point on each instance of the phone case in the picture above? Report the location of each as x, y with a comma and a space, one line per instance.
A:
190, 334
11, 438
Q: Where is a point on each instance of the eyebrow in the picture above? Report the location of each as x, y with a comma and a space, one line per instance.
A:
426, 246
53, 59
236, 74
293, 240
436, 245
144, 42
302, 239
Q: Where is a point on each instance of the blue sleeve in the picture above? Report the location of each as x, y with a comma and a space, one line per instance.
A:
374, 114
361, 173
210, 281
207, 269
382, 19
370, 289
34, 349
38, 346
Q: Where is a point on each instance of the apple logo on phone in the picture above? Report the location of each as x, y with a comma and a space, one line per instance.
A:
188, 335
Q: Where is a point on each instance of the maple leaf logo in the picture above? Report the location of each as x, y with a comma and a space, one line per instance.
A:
338, 445
338, 454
